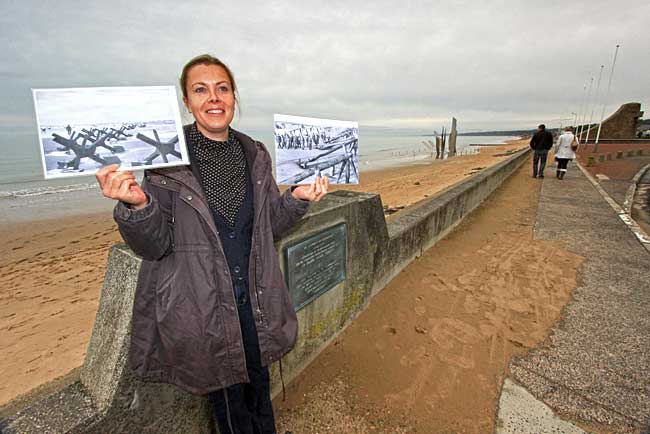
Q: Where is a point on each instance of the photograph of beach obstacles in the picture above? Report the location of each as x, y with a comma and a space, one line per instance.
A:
84, 129
308, 147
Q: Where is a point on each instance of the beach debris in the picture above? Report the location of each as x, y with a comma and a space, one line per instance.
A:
421, 330
392, 210
475, 170
507, 153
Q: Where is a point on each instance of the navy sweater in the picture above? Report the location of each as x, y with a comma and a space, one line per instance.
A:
236, 241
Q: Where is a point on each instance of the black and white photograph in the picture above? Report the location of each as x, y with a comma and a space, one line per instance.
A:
308, 147
82, 130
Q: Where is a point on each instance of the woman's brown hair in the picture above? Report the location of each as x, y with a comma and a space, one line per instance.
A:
206, 59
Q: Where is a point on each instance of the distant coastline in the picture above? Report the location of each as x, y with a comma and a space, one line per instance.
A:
519, 133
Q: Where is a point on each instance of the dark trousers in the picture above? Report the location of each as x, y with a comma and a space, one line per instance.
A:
248, 408
562, 164
539, 159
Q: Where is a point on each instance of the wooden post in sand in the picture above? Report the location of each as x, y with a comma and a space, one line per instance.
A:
452, 138
443, 142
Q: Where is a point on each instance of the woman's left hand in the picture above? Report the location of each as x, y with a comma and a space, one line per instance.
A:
313, 192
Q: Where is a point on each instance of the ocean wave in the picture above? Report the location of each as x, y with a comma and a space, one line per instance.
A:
40, 191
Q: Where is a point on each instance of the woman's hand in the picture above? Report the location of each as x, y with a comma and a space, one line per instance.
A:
121, 186
313, 192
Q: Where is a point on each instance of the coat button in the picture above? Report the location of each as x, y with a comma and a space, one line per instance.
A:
189, 197
163, 182
259, 182
236, 269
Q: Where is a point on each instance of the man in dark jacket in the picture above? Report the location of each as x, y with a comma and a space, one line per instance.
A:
541, 142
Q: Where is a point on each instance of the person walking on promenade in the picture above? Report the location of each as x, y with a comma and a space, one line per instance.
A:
211, 309
564, 151
541, 142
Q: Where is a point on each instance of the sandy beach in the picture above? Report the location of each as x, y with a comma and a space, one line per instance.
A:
51, 271
430, 353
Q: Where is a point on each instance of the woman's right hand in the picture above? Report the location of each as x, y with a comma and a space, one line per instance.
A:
121, 186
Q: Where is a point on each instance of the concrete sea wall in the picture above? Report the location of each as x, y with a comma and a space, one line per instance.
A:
109, 399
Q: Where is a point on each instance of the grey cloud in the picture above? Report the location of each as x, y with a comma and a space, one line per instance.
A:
492, 64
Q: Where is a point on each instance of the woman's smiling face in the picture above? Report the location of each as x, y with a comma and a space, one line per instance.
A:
210, 99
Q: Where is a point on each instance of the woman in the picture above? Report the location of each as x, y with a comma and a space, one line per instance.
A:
211, 309
564, 151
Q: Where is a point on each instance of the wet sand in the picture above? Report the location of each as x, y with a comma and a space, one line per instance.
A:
430, 353
51, 272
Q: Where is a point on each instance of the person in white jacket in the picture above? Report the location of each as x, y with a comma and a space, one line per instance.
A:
564, 151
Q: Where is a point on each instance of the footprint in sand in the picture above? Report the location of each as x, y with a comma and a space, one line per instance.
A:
471, 305
419, 308
454, 337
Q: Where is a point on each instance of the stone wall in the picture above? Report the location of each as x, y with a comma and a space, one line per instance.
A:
619, 126
109, 399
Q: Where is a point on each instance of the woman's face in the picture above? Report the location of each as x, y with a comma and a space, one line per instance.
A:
210, 99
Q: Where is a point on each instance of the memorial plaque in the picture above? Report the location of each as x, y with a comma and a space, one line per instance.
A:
316, 264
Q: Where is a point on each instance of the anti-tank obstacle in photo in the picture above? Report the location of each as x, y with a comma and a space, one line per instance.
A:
310, 147
81, 151
163, 149
84, 129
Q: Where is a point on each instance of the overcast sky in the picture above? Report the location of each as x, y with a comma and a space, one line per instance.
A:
492, 64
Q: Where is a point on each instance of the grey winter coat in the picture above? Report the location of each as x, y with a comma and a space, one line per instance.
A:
185, 323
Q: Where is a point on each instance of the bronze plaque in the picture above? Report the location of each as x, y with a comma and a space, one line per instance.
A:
316, 264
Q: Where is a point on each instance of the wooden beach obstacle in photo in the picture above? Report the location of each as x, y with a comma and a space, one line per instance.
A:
315, 164
307, 147
162, 148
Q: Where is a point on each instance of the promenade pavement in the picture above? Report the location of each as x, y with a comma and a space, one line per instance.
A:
594, 367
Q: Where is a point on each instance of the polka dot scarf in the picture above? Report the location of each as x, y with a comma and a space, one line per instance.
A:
222, 166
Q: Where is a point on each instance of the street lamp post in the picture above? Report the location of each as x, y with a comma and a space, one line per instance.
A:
582, 129
582, 103
593, 108
605, 100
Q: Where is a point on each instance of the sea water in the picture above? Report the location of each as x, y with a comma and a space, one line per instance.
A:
26, 196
